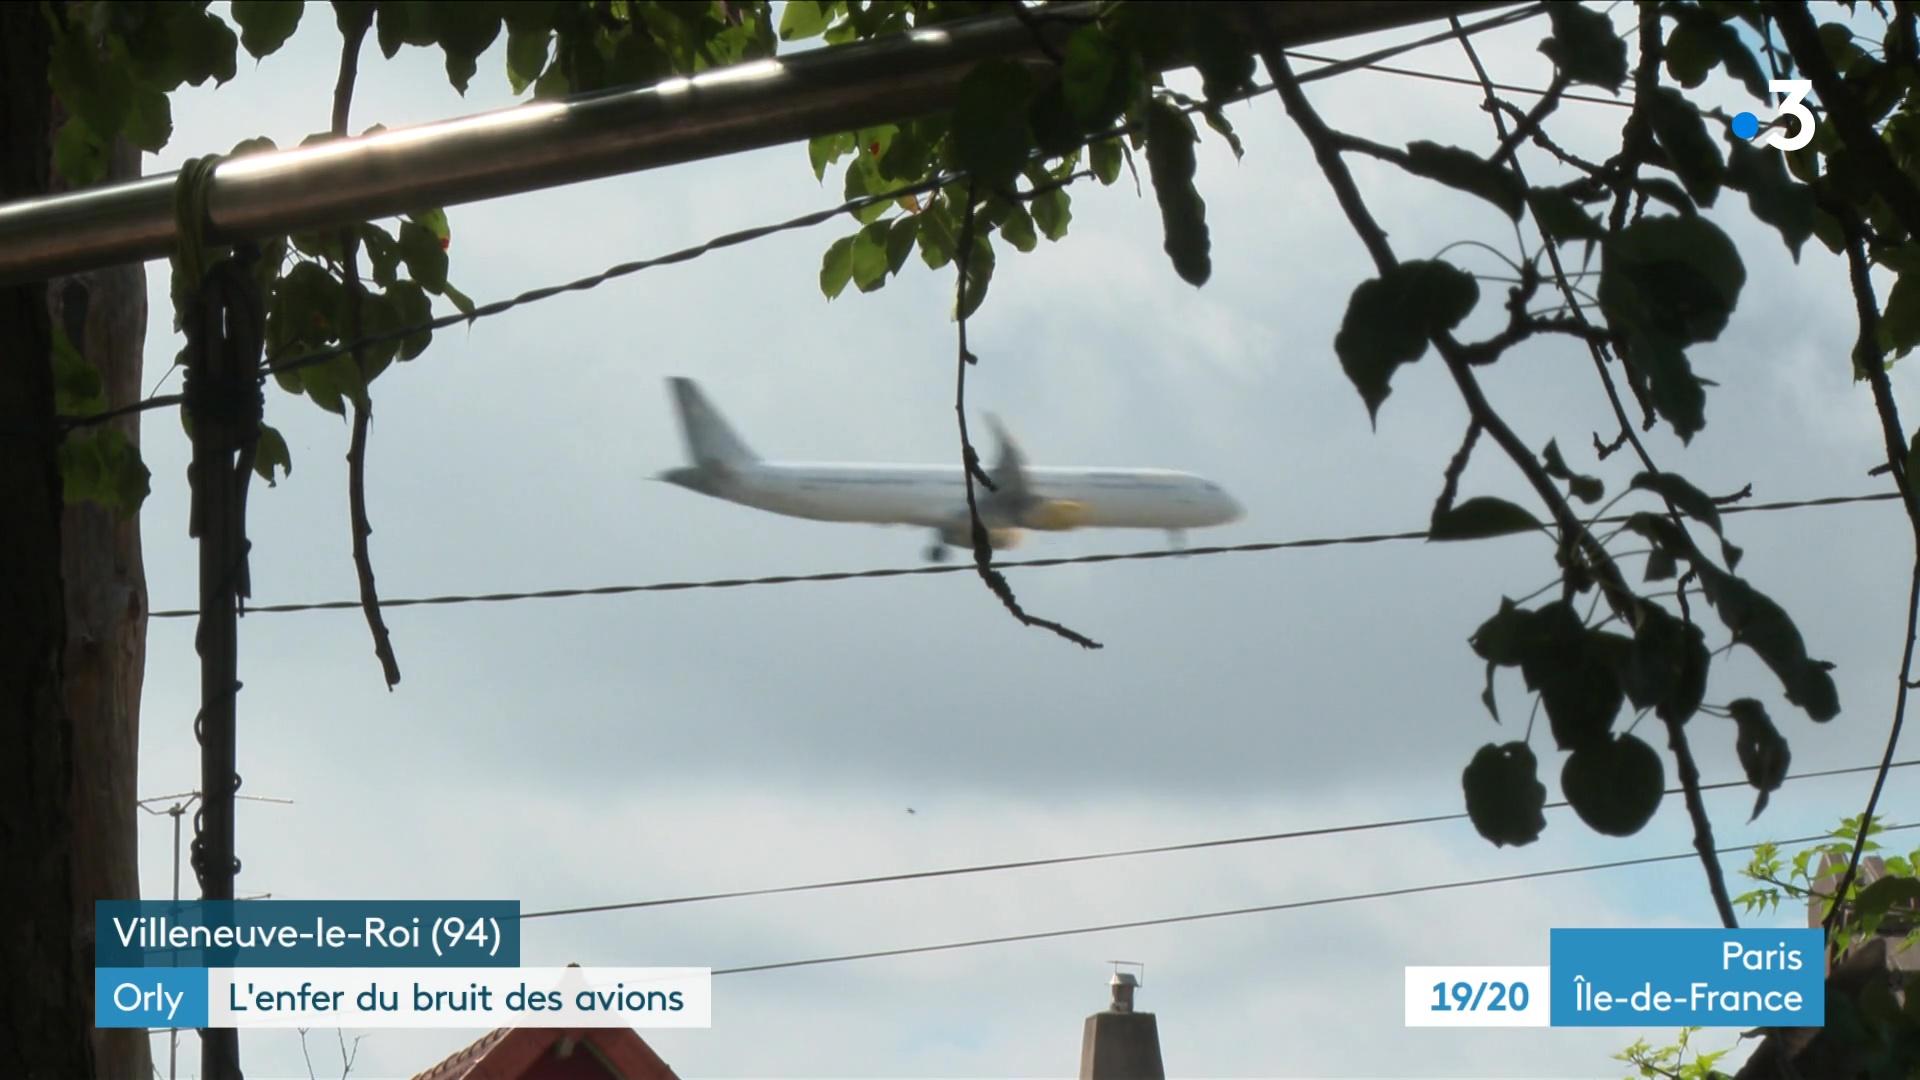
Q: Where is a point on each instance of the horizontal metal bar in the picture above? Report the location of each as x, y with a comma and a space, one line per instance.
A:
546, 144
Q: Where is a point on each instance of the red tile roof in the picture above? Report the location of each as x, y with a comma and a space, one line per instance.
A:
553, 1054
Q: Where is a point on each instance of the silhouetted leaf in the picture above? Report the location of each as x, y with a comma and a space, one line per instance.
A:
1772, 195
1562, 217
1390, 319
900, 238
1093, 78
1469, 172
990, 131
1505, 798
1763, 750
1480, 517
1680, 131
265, 25
271, 453
1615, 785
1587, 489
1584, 46
1665, 283
1666, 665
1183, 214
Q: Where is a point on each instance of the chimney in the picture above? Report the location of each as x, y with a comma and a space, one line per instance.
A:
1121, 1044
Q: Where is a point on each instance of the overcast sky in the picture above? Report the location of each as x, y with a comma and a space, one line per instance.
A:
596, 750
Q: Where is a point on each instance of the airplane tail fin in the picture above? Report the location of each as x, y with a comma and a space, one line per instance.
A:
710, 442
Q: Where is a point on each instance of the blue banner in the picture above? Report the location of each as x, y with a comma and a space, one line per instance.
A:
306, 933
1683, 978
149, 997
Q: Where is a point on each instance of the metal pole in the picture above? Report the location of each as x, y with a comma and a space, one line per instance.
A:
547, 144
173, 1034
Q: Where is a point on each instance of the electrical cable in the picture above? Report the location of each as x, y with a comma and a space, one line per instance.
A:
1062, 860
953, 568
1293, 905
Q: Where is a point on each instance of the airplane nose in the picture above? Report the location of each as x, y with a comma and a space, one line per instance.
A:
1230, 508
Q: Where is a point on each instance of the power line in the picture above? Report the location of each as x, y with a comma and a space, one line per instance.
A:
1169, 920
1062, 860
955, 568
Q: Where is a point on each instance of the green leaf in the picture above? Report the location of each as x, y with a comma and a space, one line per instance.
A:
1183, 214
149, 120
464, 30
1469, 172
979, 276
1104, 157
1561, 217
1772, 195
1667, 282
527, 49
99, 465
824, 150
1479, 518
383, 253
1505, 798
265, 25
1390, 319
1763, 750
1093, 78
869, 257
1051, 211
426, 260
78, 154
836, 267
411, 308
804, 19
1680, 131
991, 136
1018, 229
1900, 321
77, 387
1587, 489
271, 453
1584, 46
1615, 786
900, 237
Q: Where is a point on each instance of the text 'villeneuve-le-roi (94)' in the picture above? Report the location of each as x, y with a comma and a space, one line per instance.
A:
362, 964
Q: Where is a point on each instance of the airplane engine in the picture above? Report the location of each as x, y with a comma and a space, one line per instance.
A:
999, 539
1056, 514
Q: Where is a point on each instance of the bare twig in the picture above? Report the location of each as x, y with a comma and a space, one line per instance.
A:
1451, 485
354, 25
970, 458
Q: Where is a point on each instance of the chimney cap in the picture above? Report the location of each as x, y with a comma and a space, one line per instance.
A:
1124, 983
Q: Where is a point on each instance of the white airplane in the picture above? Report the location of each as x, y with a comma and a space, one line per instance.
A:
935, 496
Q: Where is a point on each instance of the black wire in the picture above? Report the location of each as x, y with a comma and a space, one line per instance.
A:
920, 571
1063, 860
1378, 894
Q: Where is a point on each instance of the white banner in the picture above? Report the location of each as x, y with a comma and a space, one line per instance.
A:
459, 997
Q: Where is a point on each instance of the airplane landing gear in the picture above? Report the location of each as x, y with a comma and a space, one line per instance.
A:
1177, 539
936, 552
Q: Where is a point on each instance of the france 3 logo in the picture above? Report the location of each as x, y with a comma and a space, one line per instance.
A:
1746, 125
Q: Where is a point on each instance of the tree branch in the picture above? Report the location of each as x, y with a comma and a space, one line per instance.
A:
970, 458
353, 28
1867, 357
1597, 340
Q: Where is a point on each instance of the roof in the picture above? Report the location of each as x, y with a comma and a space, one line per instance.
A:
553, 1054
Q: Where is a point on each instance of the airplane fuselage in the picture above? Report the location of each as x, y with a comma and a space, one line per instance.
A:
935, 496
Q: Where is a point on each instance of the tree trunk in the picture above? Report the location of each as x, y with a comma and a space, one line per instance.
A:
104, 313
44, 1020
